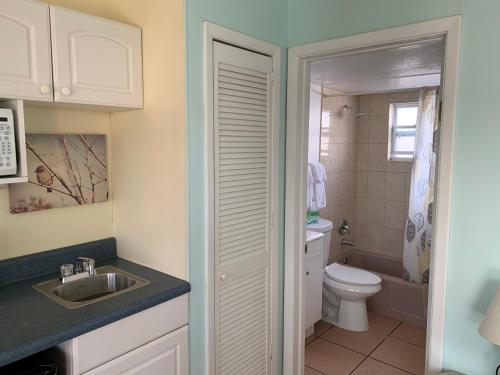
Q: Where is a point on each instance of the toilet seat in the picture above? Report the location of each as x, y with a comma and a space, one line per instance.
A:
351, 275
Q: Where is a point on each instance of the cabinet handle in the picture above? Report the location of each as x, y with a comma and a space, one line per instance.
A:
66, 91
223, 277
45, 89
307, 273
306, 249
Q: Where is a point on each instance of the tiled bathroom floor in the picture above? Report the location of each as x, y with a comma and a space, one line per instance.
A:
389, 347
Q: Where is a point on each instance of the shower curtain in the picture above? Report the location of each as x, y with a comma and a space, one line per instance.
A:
418, 233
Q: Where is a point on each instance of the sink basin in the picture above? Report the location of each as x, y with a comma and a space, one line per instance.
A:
108, 282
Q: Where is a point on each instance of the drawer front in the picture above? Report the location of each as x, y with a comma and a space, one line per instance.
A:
313, 249
104, 344
167, 355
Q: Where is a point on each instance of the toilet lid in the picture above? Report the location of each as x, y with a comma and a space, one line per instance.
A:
351, 275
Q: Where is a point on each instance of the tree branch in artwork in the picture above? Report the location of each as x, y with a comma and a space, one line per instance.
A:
72, 169
89, 148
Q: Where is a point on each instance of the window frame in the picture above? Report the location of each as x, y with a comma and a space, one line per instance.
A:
392, 155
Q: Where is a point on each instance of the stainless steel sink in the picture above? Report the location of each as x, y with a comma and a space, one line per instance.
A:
108, 282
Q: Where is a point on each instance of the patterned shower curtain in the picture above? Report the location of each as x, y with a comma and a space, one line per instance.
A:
418, 233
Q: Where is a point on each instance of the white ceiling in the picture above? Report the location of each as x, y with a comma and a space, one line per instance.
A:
395, 68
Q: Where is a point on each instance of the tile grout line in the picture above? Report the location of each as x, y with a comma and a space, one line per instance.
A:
385, 338
407, 342
312, 368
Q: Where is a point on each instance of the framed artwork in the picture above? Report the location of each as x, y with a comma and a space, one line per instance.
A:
63, 170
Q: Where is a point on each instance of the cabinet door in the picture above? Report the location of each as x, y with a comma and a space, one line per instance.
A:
25, 66
167, 355
96, 61
314, 284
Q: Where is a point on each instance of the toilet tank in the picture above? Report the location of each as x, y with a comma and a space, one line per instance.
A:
323, 226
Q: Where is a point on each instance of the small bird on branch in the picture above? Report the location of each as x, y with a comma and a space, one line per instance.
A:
44, 177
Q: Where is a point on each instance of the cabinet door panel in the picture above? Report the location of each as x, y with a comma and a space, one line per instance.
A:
25, 65
96, 61
314, 284
165, 356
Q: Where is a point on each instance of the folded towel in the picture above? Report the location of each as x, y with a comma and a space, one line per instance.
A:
310, 176
316, 194
318, 172
320, 195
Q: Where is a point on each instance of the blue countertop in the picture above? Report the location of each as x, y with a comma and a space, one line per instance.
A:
31, 322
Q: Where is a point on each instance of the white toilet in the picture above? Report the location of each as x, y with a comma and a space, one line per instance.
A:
352, 286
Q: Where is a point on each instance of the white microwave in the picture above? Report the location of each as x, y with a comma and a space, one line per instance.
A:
8, 159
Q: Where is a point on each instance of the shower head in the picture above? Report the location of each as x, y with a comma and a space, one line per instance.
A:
348, 108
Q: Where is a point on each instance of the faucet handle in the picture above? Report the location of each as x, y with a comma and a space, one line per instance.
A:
88, 265
344, 227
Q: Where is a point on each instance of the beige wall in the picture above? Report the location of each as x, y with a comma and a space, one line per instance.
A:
149, 147
338, 151
37, 231
382, 186
148, 212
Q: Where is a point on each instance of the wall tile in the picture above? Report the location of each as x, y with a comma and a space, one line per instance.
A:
361, 237
360, 211
375, 212
375, 238
379, 129
364, 129
362, 158
399, 166
361, 184
394, 214
395, 186
407, 186
377, 157
365, 103
379, 104
393, 242
376, 185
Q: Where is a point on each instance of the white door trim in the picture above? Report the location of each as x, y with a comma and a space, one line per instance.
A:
211, 33
299, 59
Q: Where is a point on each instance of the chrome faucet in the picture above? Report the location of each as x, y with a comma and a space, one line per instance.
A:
88, 265
84, 267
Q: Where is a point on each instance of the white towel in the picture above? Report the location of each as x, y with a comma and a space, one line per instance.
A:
318, 171
310, 188
320, 195
316, 194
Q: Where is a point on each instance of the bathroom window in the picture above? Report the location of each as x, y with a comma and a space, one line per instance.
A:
403, 128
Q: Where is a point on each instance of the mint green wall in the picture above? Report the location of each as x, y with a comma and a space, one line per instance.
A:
263, 19
474, 262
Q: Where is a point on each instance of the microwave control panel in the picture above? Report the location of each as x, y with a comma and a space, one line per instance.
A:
8, 162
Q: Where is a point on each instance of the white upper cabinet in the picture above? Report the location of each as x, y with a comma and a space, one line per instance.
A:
96, 61
25, 66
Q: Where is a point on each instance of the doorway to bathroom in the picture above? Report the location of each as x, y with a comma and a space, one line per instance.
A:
369, 141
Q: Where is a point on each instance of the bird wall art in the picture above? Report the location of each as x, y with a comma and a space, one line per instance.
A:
63, 170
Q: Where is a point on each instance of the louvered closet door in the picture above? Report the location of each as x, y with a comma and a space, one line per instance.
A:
242, 171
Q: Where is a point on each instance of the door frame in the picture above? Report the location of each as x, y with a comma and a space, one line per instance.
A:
213, 32
299, 59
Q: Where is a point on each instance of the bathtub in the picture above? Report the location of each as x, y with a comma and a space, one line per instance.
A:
398, 299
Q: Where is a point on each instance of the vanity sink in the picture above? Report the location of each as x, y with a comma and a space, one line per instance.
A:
108, 282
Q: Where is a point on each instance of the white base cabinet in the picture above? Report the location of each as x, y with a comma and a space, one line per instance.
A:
313, 268
151, 342
164, 356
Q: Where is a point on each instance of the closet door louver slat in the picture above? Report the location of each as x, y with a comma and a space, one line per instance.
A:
242, 240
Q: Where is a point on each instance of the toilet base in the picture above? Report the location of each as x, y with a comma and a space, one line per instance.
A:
353, 316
